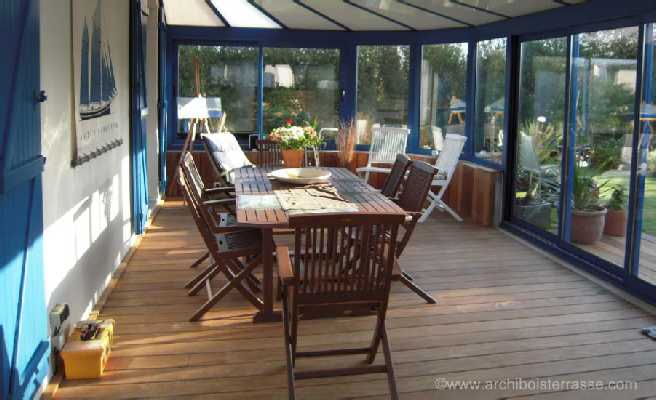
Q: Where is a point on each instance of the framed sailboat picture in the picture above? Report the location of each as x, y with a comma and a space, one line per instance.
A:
97, 128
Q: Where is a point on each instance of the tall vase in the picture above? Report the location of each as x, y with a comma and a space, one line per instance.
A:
293, 158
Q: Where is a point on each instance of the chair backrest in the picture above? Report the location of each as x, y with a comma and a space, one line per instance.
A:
447, 160
191, 172
528, 157
199, 214
226, 151
395, 177
268, 153
343, 258
386, 143
416, 186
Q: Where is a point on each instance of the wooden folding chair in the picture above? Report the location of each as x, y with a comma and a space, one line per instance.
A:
217, 197
411, 199
269, 153
226, 245
217, 212
314, 279
395, 177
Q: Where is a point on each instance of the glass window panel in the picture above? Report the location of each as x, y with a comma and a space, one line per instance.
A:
541, 109
302, 85
490, 99
228, 78
443, 95
603, 88
647, 162
383, 86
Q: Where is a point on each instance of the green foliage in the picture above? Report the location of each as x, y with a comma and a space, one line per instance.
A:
547, 140
586, 191
617, 198
606, 153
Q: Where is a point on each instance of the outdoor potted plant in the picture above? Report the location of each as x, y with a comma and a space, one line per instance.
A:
532, 208
616, 216
293, 141
588, 216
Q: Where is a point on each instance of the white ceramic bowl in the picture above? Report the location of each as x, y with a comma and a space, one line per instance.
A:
301, 176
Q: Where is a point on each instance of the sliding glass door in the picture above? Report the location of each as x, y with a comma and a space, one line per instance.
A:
646, 176
540, 122
584, 171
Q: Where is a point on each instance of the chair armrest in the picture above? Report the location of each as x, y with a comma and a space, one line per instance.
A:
219, 189
284, 265
219, 202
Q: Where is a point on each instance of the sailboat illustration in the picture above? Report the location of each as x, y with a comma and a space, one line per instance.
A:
97, 81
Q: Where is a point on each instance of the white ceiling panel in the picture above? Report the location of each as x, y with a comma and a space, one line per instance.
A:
352, 17
242, 14
190, 12
294, 16
457, 11
408, 15
512, 8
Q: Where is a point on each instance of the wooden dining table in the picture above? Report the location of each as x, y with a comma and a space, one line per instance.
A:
259, 207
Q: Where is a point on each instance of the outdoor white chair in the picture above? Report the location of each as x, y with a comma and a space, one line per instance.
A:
386, 143
446, 164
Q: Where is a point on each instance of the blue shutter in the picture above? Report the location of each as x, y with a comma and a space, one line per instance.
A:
138, 121
23, 323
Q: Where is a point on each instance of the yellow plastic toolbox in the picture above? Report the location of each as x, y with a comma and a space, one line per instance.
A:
87, 359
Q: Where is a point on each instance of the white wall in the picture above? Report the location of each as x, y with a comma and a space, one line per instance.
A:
87, 228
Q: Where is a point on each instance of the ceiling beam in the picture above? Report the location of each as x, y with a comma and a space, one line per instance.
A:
405, 2
217, 13
322, 15
498, 14
370, 11
268, 14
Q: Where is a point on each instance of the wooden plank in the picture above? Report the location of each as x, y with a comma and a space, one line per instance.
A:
515, 315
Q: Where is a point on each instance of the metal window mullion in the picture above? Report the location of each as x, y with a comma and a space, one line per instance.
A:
511, 123
569, 141
636, 183
470, 97
260, 92
414, 102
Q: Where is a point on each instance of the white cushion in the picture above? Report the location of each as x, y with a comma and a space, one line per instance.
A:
227, 152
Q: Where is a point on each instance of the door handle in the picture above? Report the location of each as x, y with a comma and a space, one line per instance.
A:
41, 97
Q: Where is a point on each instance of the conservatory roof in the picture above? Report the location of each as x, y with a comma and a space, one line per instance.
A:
352, 15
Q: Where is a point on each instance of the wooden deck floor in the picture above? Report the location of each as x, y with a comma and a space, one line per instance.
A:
504, 312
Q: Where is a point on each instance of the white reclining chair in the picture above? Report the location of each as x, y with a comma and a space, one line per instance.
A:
386, 143
446, 164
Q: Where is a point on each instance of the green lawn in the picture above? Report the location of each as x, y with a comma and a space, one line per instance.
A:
649, 207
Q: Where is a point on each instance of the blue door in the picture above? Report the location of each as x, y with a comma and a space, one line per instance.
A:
23, 323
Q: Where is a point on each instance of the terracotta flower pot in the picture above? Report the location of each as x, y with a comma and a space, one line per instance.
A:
615, 223
588, 226
293, 158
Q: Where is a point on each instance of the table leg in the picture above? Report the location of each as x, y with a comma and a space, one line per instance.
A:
267, 314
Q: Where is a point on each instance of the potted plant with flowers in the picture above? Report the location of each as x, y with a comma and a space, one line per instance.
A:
293, 140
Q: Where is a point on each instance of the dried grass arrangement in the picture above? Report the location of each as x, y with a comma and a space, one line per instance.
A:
346, 141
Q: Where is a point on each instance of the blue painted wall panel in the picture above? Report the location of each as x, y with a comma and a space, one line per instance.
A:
23, 322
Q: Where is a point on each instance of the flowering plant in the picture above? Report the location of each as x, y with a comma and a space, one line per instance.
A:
295, 137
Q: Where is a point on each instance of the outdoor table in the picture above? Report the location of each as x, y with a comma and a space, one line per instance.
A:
258, 206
